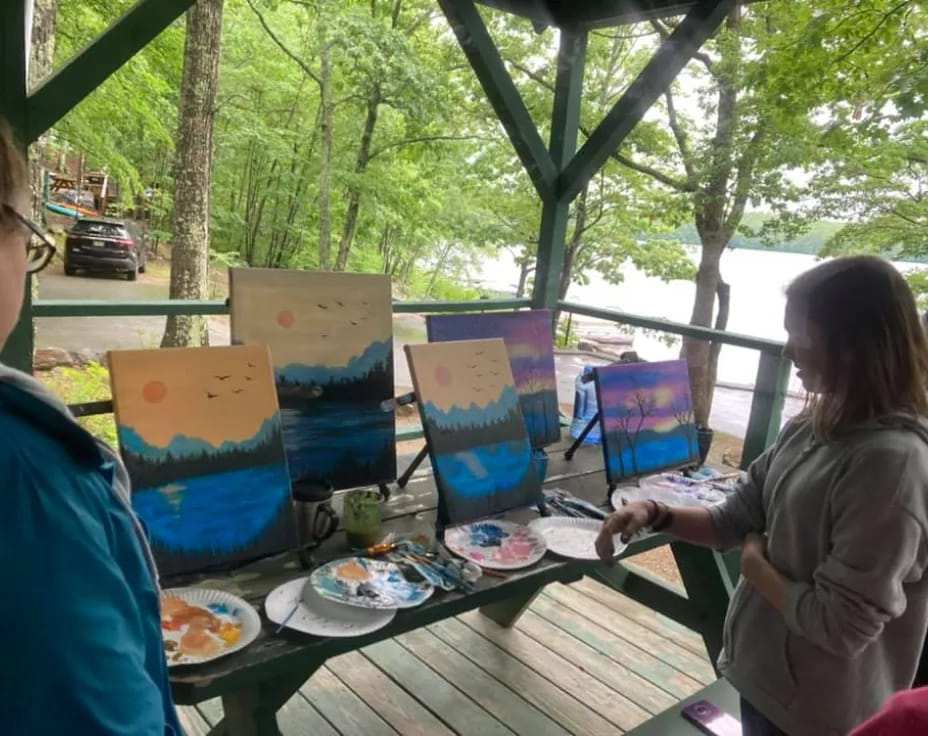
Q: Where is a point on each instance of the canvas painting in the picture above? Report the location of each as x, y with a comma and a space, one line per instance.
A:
476, 435
530, 343
201, 437
331, 340
646, 416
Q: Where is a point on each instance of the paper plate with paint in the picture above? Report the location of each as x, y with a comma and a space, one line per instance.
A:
378, 584
496, 545
298, 606
573, 537
199, 625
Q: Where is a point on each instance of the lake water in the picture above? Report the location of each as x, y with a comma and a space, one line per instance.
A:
758, 282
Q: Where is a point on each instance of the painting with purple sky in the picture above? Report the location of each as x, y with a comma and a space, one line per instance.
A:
646, 416
530, 345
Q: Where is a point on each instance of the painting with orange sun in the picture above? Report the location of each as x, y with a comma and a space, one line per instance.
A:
201, 437
472, 420
331, 340
646, 418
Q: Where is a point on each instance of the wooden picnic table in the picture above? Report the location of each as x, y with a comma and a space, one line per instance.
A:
256, 682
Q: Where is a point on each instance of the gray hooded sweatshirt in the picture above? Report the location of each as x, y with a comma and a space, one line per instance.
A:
847, 522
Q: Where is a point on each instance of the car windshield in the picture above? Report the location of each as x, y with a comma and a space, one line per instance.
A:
100, 229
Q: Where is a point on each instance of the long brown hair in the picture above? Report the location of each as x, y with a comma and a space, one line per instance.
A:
14, 175
875, 348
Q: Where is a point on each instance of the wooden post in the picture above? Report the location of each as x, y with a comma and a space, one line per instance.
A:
13, 106
565, 121
766, 405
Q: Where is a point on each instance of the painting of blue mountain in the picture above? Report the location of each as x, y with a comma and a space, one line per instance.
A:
477, 439
202, 440
646, 416
530, 344
331, 340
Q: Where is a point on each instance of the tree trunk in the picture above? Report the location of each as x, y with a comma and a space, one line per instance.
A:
325, 163
723, 292
697, 352
41, 57
360, 166
525, 267
190, 256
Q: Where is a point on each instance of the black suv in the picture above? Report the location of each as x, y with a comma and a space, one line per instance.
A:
103, 245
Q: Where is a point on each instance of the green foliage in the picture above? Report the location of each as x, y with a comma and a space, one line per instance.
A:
80, 385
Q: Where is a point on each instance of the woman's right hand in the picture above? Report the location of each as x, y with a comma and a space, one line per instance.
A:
627, 521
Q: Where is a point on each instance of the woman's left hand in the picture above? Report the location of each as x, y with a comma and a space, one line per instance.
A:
753, 551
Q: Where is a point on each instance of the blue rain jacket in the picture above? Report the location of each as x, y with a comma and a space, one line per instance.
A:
80, 638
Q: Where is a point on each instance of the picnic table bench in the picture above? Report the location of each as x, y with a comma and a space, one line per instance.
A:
257, 681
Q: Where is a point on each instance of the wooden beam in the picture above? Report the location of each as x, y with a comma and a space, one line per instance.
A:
65, 89
17, 352
766, 406
488, 65
565, 123
674, 54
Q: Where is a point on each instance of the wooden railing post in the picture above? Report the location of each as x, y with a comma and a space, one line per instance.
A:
767, 405
13, 106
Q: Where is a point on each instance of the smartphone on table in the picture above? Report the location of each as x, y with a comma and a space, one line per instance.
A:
710, 720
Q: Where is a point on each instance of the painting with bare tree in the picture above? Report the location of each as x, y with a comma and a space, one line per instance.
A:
646, 415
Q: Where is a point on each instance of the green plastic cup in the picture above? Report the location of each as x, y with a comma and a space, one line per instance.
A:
361, 518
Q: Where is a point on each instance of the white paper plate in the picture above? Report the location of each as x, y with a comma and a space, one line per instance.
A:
320, 617
496, 545
572, 537
225, 608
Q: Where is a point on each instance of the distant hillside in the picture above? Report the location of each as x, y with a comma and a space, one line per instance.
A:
811, 242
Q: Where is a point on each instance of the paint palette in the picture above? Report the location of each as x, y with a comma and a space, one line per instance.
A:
377, 584
676, 489
200, 625
496, 545
572, 537
319, 616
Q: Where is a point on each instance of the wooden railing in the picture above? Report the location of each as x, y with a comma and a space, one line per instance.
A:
769, 388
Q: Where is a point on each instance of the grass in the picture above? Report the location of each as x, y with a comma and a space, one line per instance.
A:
79, 385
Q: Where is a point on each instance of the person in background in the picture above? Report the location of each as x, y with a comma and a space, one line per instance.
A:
829, 615
80, 619
904, 714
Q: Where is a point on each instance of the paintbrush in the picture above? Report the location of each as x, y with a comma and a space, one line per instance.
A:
283, 624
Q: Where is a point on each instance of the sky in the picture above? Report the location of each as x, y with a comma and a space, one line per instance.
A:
667, 382
310, 317
460, 373
166, 392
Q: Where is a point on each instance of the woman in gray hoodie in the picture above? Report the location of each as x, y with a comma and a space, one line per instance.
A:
830, 614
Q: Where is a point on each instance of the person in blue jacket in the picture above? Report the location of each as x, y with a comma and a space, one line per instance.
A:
80, 631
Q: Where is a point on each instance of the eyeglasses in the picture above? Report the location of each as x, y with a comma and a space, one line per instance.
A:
39, 248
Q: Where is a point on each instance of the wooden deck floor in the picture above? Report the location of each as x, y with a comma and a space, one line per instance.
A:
583, 660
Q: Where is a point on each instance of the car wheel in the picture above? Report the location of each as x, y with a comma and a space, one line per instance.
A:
133, 274
69, 270
142, 268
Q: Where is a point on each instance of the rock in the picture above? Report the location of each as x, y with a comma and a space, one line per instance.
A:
45, 359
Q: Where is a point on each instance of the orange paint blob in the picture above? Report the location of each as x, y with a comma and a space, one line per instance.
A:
443, 376
285, 318
154, 392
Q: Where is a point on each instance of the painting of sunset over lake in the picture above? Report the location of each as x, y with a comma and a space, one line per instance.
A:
201, 438
331, 340
530, 344
476, 435
646, 416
